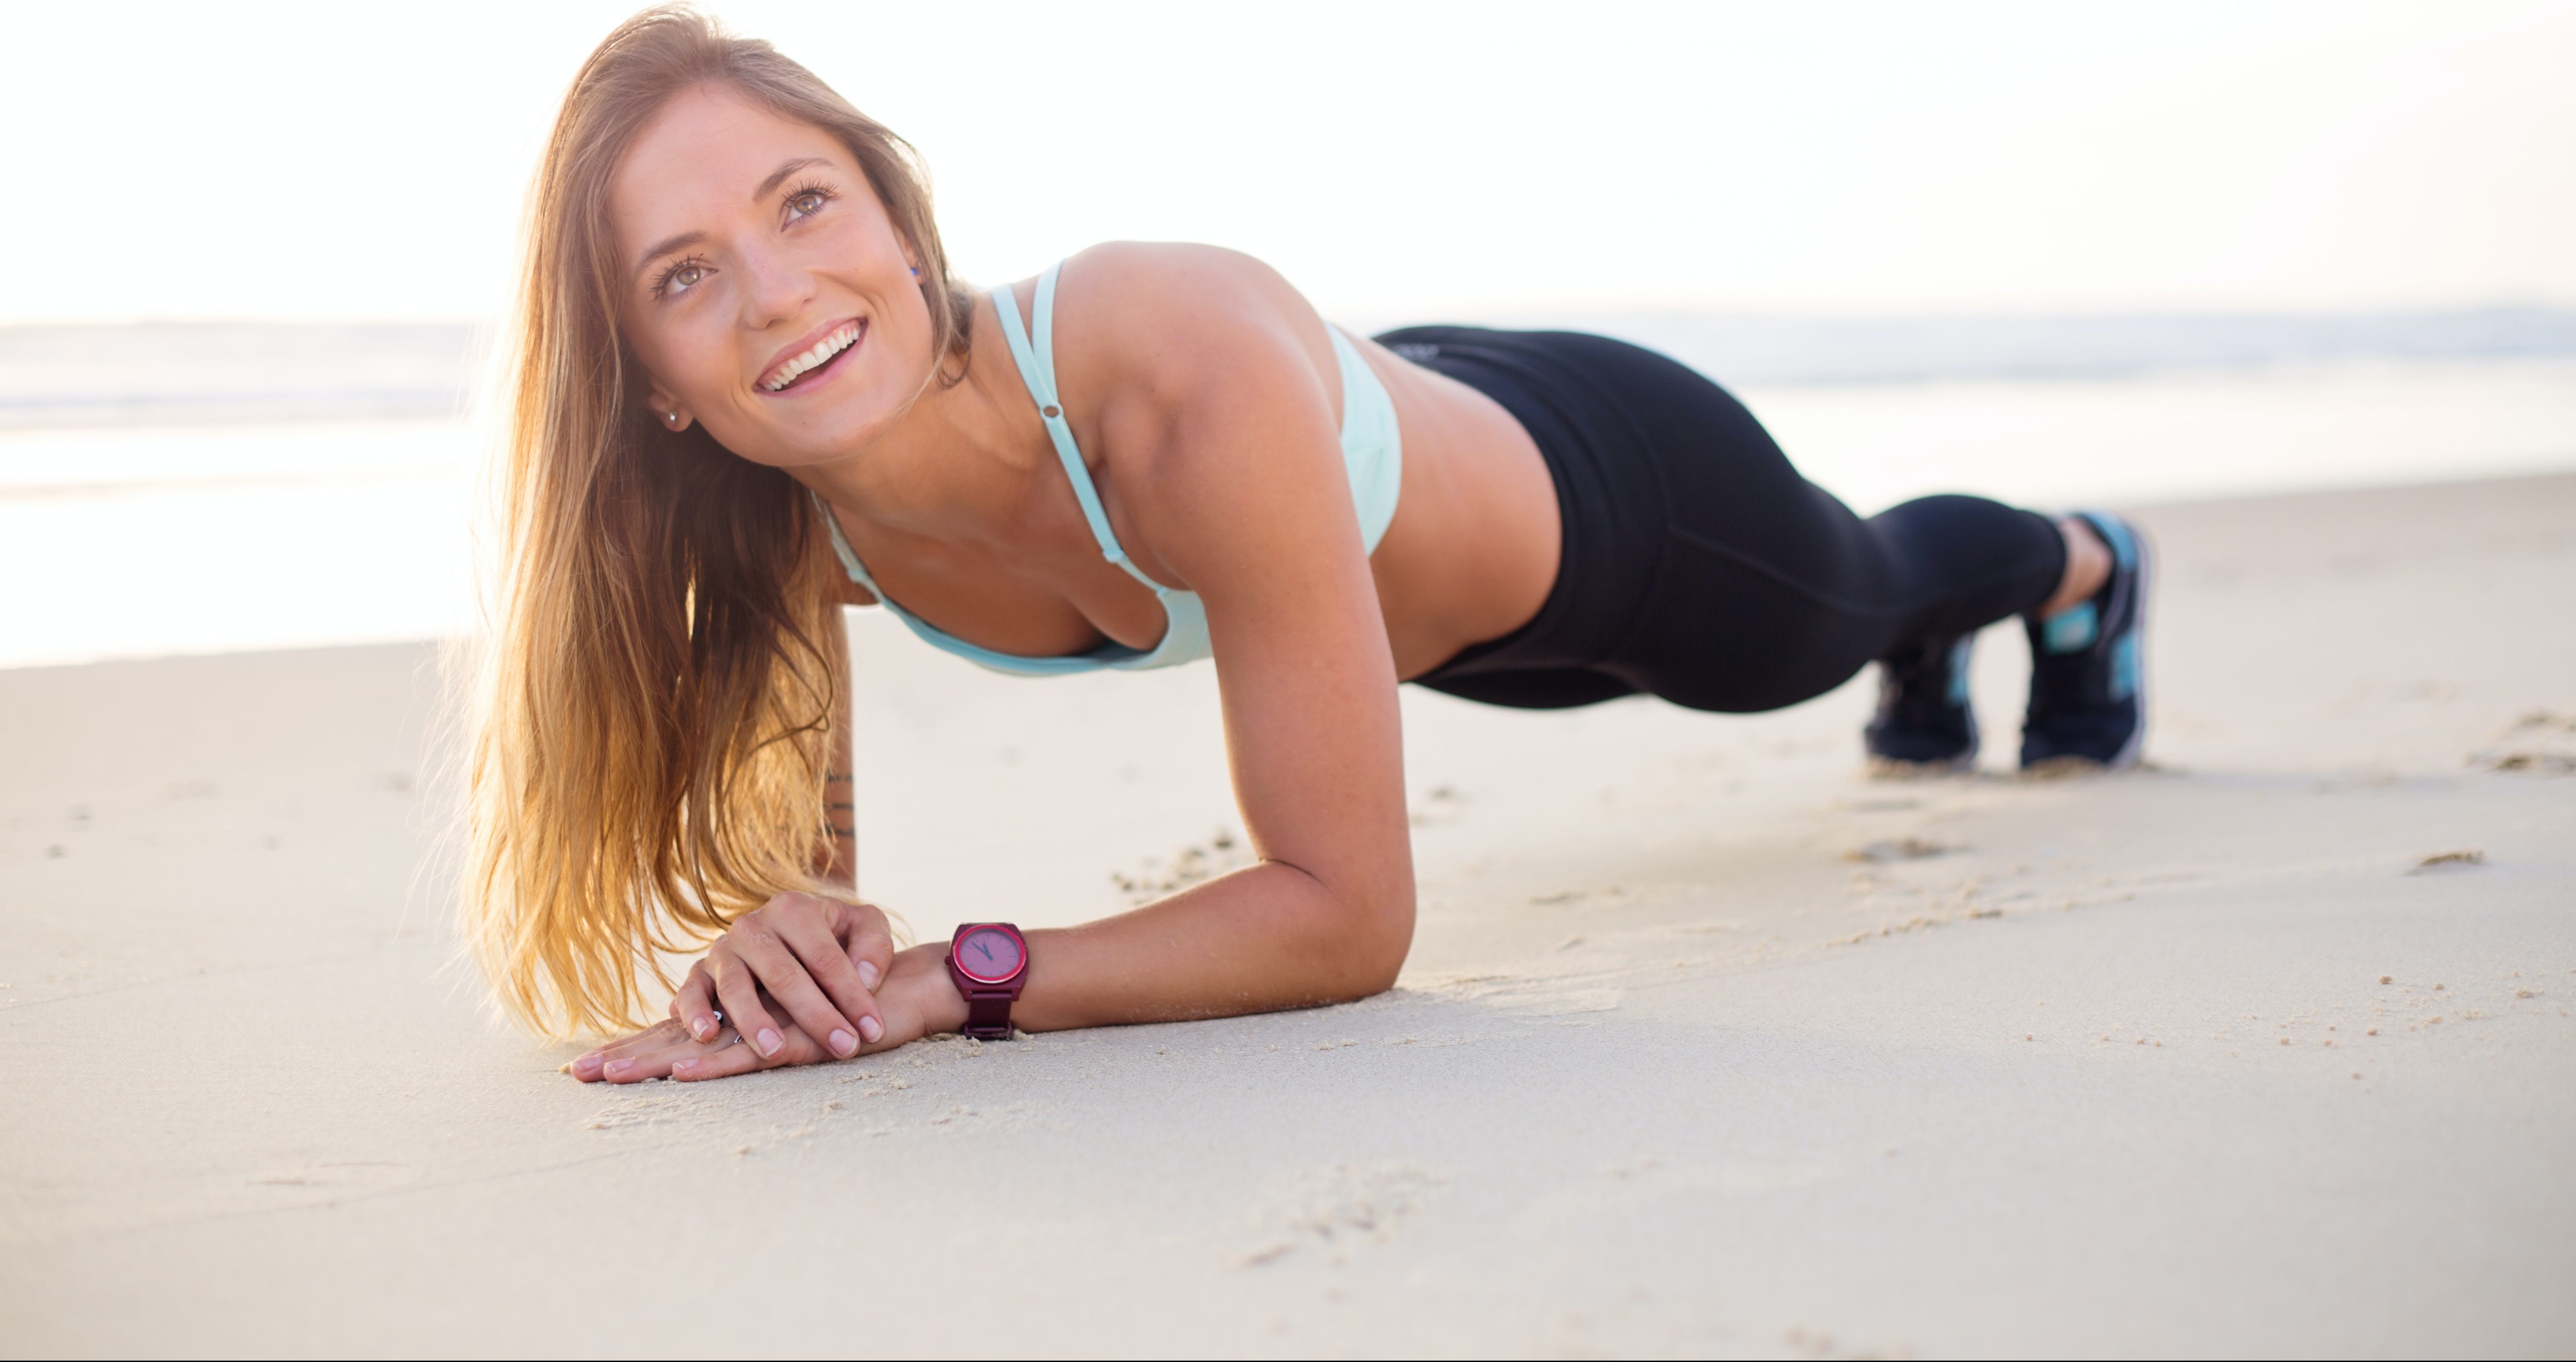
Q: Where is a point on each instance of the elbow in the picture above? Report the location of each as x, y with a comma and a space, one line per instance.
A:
1345, 938
1374, 978
1371, 938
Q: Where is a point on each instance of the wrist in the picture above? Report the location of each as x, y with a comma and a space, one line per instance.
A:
924, 969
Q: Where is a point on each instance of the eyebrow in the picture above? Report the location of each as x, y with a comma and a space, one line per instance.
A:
665, 247
776, 178
786, 168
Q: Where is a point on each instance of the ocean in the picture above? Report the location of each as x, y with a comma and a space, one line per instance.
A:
204, 488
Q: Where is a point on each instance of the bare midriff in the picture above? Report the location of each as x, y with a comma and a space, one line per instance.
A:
1473, 548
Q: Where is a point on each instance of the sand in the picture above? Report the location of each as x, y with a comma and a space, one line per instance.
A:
1708, 1045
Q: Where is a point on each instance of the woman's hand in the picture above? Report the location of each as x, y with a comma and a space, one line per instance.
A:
817, 960
666, 1050
916, 999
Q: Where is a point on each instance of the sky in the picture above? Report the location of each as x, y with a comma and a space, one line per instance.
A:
368, 162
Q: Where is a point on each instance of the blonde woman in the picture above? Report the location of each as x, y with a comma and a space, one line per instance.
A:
750, 392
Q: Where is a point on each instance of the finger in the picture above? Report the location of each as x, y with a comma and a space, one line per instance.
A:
589, 1066
725, 1061
721, 1062
695, 1004
643, 1064
814, 932
738, 992
661, 1052
871, 944
667, 1060
758, 941
651, 1037
651, 1055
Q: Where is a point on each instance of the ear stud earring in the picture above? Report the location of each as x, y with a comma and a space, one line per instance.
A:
916, 271
673, 417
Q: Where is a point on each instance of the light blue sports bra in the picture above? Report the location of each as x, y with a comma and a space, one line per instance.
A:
1372, 451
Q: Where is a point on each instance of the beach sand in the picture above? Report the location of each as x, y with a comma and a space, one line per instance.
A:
1708, 1045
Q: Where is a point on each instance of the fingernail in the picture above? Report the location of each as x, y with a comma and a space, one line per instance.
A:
702, 1027
871, 1028
769, 1043
616, 1068
843, 1043
687, 1068
868, 974
586, 1067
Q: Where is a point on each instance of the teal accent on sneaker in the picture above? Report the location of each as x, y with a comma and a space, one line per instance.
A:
2124, 666
2071, 630
1959, 652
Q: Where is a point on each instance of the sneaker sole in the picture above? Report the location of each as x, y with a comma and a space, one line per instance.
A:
1889, 768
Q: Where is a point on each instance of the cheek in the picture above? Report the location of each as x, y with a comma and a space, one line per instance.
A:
676, 360
904, 334
905, 316
911, 319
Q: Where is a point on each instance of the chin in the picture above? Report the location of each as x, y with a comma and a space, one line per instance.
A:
821, 437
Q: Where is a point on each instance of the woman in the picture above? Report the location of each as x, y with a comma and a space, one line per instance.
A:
749, 392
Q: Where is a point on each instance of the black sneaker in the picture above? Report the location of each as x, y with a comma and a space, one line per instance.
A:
1923, 724
2088, 701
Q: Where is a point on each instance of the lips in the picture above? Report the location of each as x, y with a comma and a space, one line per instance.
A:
785, 374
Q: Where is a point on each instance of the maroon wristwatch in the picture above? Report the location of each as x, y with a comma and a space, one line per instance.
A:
988, 961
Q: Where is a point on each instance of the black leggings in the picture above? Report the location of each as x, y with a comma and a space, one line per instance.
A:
1698, 566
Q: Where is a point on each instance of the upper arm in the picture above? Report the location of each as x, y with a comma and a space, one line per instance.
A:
1226, 452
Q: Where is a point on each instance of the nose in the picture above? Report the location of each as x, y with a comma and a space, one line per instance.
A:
777, 288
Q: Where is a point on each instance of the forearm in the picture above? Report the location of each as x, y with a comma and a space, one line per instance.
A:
836, 860
1258, 940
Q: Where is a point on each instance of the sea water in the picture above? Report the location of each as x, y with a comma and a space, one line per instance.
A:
229, 534
151, 540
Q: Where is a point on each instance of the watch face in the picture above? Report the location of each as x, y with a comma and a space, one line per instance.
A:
988, 955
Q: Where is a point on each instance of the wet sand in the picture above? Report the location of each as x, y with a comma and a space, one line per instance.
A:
1707, 1045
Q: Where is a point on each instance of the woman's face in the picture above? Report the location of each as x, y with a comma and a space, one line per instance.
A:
766, 290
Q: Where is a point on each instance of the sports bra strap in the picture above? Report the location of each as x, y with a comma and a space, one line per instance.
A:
1037, 370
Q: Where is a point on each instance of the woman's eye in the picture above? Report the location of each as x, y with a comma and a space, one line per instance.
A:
684, 276
806, 204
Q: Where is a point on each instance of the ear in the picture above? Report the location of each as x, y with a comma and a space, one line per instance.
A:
667, 411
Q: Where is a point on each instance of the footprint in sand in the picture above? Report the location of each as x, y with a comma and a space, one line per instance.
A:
1888, 849
2539, 743
354, 1176
1156, 876
1339, 1208
2441, 861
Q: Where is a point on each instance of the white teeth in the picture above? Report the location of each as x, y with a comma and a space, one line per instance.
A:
812, 359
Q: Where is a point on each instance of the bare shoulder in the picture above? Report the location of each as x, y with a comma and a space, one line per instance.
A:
1167, 312
1178, 279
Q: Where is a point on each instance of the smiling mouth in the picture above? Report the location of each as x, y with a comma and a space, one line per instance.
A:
830, 348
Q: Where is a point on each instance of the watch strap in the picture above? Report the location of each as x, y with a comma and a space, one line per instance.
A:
988, 1014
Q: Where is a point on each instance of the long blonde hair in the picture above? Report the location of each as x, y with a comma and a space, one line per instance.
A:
655, 710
